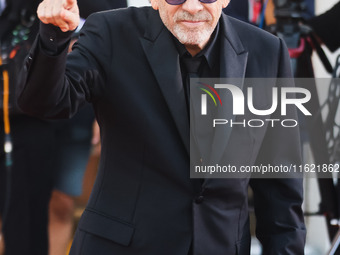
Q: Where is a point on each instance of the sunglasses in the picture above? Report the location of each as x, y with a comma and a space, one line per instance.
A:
178, 2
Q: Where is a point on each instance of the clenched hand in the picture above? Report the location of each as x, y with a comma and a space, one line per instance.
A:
61, 13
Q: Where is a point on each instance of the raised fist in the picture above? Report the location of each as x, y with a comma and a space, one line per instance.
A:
61, 13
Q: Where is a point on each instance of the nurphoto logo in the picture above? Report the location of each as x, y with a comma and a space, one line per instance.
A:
239, 100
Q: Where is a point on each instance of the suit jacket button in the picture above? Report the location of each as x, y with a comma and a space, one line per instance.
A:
199, 200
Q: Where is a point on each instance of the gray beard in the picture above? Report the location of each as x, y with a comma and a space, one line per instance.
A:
192, 37
189, 36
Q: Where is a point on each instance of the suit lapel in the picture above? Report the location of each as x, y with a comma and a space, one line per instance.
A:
164, 60
233, 62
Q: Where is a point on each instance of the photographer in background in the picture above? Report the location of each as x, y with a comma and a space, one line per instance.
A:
261, 12
330, 20
26, 184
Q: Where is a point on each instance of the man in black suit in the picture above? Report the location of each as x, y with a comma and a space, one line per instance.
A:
132, 64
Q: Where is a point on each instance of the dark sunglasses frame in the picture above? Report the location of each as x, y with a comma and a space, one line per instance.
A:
178, 2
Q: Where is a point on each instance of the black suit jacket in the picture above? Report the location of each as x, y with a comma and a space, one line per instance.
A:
143, 201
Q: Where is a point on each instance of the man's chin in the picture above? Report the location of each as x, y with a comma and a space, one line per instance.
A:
197, 37
192, 41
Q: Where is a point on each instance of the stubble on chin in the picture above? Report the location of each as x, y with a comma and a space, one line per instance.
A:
190, 36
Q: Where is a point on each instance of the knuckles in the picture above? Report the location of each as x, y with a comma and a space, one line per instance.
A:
65, 19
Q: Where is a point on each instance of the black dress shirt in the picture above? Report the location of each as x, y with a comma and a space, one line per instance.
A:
207, 61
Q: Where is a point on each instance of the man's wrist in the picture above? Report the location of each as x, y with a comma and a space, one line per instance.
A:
52, 40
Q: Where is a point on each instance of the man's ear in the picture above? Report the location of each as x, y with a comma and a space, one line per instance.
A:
154, 4
225, 3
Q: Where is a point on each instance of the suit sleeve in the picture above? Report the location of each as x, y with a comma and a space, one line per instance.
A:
280, 223
53, 83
